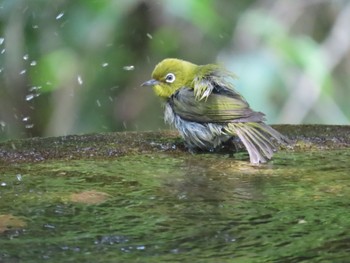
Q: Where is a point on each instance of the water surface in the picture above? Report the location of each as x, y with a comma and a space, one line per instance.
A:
166, 208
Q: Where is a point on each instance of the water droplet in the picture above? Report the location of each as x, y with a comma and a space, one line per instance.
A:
149, 36
126, 249
33, 63
141, 247
26, 56
19, 177
80, 80
182, 196
98, 103
105, 64
131, 67
2, 40
26, 118
3, 184
29, 97
49, 226
23, 72
2, 125
35, 88
35, 26
29, 126
59, 15
3, 51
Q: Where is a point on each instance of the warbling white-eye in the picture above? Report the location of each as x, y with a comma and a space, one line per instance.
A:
203, 105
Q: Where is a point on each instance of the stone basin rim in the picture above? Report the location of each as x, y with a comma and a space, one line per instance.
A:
116, 144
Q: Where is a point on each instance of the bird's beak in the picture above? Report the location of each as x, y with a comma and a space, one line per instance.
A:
150, 82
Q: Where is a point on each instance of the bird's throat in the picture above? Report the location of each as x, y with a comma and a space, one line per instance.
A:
163, 92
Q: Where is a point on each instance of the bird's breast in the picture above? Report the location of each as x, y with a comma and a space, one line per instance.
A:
201, 135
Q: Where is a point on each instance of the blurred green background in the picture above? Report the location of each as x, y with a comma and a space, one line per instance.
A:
69, 67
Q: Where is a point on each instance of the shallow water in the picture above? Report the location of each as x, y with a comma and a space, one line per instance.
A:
166, 208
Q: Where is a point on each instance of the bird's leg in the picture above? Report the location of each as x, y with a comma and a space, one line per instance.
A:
233, 144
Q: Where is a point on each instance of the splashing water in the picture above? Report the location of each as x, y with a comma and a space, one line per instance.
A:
128, 68
59, 16
35, 88
80, 80
19, 177
2, 125
29, 97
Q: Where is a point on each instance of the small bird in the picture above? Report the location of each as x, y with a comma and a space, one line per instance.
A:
203, 105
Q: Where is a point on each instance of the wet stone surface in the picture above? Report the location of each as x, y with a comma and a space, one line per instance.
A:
303, 137
142, 197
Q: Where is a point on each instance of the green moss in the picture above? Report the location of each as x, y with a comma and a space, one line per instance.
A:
111, 145
173, 206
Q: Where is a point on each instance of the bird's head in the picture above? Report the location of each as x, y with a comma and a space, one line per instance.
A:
170, 75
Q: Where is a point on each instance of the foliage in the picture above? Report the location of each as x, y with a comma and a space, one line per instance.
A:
76, 66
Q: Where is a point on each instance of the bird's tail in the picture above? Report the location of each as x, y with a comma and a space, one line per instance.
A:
259, 139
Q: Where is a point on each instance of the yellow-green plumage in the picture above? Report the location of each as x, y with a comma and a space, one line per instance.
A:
203, 105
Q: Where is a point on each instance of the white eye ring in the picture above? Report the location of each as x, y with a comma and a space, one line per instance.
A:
170, 78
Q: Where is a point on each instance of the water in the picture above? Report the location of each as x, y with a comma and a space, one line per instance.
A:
166, 208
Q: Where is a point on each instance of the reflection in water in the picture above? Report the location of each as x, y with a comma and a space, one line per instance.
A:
216, 181
201, 207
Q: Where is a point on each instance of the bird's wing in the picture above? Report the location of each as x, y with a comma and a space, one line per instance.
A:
209, 78
220, 107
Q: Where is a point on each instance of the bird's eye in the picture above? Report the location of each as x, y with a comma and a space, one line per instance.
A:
170, 78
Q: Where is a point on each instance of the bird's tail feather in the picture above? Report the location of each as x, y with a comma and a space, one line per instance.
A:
259, 139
